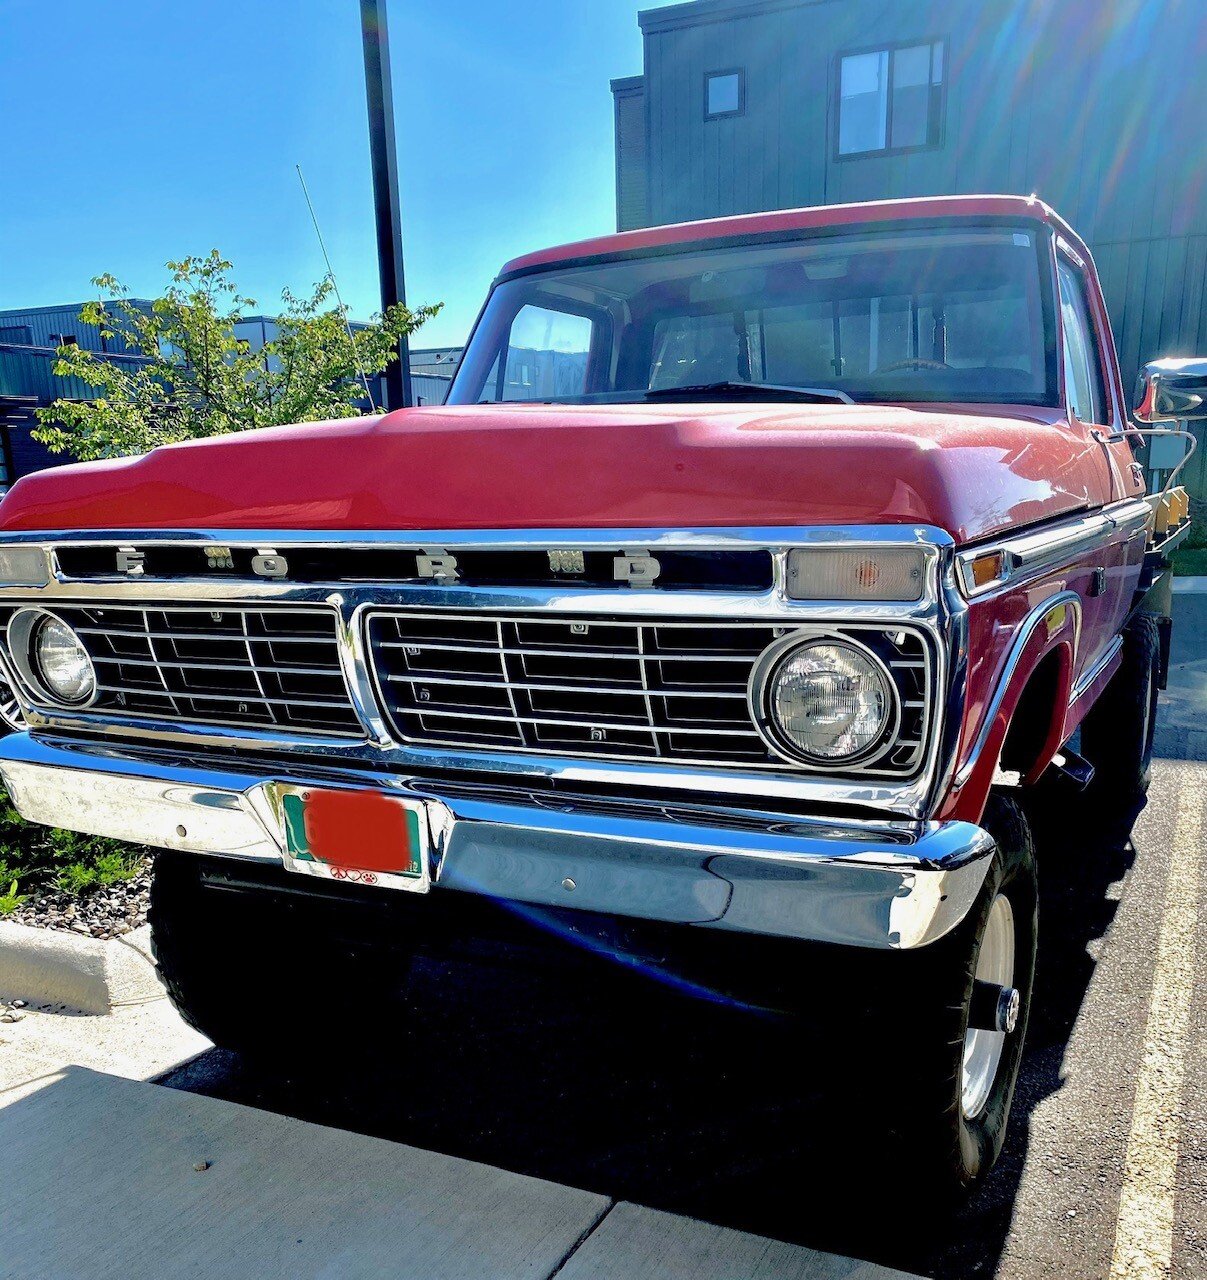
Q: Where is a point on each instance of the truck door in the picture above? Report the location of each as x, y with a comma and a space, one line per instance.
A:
1093, 397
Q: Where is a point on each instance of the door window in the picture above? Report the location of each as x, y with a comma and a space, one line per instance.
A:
1082, 357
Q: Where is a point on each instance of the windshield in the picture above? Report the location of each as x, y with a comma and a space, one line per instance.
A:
952, 315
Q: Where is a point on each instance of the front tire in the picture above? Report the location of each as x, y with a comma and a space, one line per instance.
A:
259, 970
940, 1090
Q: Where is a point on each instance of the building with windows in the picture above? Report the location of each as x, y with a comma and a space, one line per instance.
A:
747, 105
432, 370
29, 340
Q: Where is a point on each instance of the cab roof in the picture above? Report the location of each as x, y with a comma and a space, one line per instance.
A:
1023, 208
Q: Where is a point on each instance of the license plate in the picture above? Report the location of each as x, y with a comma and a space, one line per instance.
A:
361, 837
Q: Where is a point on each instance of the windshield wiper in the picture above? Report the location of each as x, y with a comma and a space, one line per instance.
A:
761, 390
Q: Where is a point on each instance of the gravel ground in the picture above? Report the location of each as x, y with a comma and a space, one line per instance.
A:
104, 912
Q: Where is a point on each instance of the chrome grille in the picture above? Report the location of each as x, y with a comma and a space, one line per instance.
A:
263, 668
612, 687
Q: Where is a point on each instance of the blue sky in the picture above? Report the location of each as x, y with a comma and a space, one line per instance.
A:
144, 130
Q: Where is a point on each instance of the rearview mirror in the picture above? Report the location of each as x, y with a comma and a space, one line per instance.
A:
1169, 390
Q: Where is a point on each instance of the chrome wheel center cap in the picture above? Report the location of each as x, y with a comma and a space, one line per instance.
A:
1008, 1006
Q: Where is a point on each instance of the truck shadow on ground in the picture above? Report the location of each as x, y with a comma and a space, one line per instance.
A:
686, 1105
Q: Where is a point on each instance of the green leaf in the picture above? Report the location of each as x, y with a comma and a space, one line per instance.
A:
197, 379
11, 900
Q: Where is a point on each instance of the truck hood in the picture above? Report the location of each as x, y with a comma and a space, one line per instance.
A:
971, 470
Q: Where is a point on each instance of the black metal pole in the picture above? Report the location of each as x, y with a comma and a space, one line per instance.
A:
386, 210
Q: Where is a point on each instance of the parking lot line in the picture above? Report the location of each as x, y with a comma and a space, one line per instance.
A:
1144, 1234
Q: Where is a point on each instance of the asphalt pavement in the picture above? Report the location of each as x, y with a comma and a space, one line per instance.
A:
698, 1109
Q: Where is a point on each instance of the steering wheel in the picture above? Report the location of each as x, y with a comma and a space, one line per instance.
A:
914, 362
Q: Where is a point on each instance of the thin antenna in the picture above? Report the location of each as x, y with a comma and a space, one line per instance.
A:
335, 285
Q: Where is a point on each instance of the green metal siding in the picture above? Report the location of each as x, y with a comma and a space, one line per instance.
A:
632, 202
29, 371
1097, 108
45, 326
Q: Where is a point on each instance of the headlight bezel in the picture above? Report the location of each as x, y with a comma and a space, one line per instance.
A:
761, 689
24, 630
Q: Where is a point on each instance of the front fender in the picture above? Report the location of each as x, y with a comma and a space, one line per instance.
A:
1051, 629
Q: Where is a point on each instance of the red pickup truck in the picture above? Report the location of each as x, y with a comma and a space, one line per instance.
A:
757, 582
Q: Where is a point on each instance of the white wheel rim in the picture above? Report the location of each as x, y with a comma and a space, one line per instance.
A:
983, 1049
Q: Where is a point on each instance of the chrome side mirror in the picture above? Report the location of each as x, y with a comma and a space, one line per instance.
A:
1172, 390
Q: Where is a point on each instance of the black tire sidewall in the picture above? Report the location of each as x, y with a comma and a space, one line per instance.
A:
1012, 874
1118, 733
250, 972
910, 1011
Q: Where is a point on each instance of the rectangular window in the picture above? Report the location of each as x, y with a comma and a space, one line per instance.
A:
863, 110
890, 99
1082, 355
724, 94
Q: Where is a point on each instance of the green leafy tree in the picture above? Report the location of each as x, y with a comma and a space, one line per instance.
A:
197, 378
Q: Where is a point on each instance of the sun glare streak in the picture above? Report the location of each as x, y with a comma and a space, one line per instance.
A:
549, 923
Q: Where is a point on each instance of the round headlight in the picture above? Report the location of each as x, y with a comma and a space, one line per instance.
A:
61, 662
830, 701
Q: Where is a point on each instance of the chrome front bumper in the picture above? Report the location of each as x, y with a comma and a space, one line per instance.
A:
884, 884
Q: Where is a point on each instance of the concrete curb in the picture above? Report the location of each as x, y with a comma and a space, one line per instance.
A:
45, 966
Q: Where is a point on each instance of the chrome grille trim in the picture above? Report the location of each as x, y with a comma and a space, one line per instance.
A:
942, 615
152, 634
227, 674
567, 688
590, 724
475, 687
513, 651
210, 666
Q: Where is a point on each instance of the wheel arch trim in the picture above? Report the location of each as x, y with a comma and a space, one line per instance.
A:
1052, 627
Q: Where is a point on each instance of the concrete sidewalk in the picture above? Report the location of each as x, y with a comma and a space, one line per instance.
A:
141, 1035
106, 1175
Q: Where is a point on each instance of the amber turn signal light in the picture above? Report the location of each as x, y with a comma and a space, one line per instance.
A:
989, 568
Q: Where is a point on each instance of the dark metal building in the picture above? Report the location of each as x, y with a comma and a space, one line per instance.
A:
747, 105
29, 339
432, 370
29, 342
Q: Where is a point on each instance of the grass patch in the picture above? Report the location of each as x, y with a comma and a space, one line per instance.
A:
1190, 562
35, 858
10, 899
1190, 559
